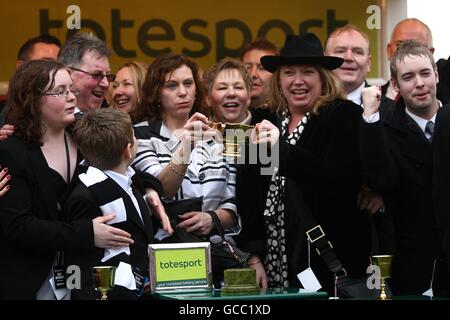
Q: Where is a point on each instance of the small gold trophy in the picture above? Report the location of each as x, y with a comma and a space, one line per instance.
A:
384, 263
234, 136
103, 279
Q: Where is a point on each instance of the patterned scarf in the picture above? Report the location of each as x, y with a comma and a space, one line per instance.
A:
276, 258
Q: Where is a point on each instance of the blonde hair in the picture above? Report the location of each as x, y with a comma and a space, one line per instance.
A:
137, 70
331, 90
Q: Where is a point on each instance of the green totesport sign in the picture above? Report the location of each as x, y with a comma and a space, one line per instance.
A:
179, 266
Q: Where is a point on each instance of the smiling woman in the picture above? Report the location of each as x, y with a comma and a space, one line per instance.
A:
229, 86
319, 161
175, 145
126, 89
41, 159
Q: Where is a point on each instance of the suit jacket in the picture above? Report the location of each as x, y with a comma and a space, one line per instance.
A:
325, 165
84, 202
31, 231
397, 159
441, 178
443, 87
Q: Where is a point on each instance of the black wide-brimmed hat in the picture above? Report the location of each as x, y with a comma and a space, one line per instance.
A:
304, 49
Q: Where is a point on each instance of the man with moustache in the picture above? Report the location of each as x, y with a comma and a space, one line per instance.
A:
397, 158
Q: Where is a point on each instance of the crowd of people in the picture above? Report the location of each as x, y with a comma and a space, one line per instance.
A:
89, 157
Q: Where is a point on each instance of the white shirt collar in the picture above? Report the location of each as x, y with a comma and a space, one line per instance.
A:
421, 122
355, 95
124, 181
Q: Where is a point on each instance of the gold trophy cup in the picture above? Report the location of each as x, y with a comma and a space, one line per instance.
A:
103, 279
234, 136
384, 263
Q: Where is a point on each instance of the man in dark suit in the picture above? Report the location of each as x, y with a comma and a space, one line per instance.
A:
397, 158
443, 87
352, 45
106, 139
441, 177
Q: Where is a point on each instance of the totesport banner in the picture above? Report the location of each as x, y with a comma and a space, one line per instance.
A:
204, 30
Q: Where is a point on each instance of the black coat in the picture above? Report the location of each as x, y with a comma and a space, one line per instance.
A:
84, 203
443, 87
397, 159
31, 231
325, 165
441, 178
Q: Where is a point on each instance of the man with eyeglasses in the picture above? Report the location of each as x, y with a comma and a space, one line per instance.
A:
87, 58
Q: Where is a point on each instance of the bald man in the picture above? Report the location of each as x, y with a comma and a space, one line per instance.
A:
407, 29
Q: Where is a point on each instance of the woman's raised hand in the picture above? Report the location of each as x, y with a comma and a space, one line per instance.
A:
196, 129
265, 132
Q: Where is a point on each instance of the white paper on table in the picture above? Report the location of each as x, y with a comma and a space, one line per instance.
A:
309, 280
429, 293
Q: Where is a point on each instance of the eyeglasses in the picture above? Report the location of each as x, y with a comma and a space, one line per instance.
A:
62, 94
98, 76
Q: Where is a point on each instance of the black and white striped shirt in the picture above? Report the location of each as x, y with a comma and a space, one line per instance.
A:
209, 174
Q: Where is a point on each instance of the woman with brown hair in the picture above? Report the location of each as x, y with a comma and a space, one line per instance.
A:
174, 144
42, 159
318, 160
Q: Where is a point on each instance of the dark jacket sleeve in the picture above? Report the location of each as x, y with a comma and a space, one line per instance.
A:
331, 158
379, 168
251, 191
81, 205
144, 180
22, 221
441, 178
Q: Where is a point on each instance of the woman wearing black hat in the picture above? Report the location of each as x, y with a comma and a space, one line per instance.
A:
318, 160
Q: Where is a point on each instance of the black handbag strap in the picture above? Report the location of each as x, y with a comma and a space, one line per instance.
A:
218, 226
315, 233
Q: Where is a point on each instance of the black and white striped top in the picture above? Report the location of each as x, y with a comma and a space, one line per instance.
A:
209, 174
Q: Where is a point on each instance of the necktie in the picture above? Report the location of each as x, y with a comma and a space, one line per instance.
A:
429, 129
